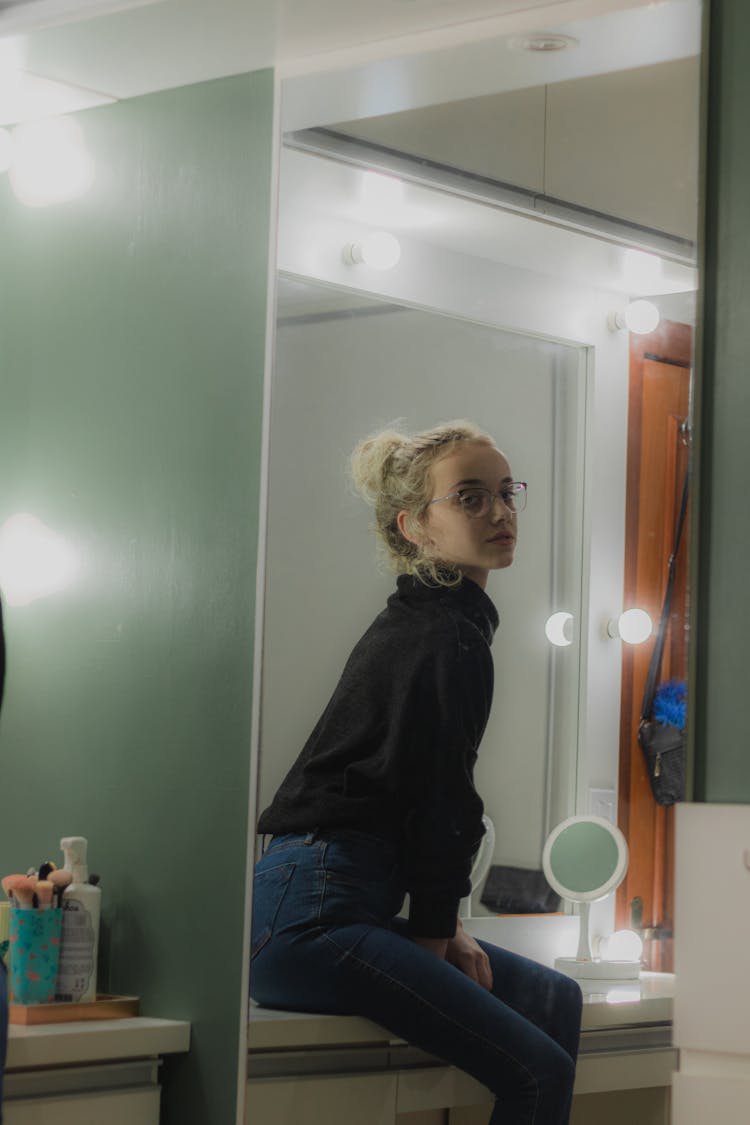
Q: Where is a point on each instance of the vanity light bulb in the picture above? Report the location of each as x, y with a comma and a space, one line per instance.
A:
380, 251
623, 945
51, 163
559, 629
34, 560
640, 317
634, 626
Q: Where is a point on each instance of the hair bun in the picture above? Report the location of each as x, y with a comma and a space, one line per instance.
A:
372, 461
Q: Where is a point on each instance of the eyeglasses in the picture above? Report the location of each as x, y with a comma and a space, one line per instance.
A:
477, 502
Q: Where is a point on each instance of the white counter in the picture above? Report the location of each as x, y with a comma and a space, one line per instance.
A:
88, 1041
641, 1003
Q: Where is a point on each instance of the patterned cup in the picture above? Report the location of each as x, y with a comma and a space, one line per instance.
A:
34, 955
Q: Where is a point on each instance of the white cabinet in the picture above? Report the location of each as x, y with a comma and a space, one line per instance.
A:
712, 990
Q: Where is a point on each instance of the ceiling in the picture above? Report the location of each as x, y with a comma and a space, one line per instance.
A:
111, 49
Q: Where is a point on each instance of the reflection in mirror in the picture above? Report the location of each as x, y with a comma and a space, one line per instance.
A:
344, 367
533, 196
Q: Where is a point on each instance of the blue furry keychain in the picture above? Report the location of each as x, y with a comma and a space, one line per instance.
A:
670, 704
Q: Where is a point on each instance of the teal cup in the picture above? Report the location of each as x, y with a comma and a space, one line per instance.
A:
34, 955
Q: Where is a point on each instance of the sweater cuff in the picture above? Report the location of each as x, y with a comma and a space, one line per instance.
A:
433, 916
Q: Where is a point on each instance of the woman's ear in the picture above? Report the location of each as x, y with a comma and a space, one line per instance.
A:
404, 523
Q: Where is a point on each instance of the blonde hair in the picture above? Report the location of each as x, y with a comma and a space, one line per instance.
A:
392, 472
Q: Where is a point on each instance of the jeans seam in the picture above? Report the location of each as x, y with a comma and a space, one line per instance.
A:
467, 1030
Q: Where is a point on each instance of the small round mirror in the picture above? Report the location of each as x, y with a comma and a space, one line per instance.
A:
584, 859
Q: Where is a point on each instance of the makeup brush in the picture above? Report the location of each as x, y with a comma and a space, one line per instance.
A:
7, 884
60, 880
45, 868
20, 889
44, 891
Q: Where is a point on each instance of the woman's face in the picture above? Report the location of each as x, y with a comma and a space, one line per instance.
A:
475, 545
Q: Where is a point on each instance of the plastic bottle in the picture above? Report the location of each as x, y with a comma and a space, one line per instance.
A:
79, 945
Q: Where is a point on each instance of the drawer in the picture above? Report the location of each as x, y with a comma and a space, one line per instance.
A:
336, 1100
131, 1107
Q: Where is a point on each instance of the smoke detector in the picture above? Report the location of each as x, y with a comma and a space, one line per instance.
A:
543, 42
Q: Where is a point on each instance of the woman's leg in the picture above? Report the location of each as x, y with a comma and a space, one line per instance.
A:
325, 940
374, 972
552, 1001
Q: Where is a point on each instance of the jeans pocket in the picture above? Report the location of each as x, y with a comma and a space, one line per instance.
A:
269, 887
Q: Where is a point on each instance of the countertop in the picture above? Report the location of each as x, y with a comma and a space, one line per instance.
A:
89, 1041
640, 1003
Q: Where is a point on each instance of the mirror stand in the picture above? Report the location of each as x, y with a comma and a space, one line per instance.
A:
585, 859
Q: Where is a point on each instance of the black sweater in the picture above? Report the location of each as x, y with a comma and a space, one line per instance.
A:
393, 753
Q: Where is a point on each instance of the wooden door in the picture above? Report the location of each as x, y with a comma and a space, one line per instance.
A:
657, 460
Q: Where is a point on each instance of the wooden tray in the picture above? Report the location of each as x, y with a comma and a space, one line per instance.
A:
103, 1008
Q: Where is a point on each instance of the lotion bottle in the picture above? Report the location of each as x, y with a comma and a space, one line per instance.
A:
79, 946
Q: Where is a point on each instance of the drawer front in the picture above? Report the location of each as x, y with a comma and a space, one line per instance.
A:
712, 921
132, 1107
339, 1100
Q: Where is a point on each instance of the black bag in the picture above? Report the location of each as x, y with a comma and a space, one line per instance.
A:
518, 890
665, 751
664, 746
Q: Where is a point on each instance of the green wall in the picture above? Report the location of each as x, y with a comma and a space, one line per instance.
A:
721, 616
132, 327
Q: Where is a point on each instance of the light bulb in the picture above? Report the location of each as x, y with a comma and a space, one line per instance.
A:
622, 945
50, 162
380, 251
559, 629
639, 317
34, 560
633, 626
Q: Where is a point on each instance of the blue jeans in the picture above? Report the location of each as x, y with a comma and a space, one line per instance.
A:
325, 939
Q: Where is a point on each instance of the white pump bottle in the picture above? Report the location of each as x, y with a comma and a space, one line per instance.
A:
79, 947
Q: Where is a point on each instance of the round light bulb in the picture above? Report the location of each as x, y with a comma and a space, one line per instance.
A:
634, 626
622, 945
380, 250
559, 629
50, 162
34, 560
641, 317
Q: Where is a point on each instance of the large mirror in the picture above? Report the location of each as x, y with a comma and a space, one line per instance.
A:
532, 187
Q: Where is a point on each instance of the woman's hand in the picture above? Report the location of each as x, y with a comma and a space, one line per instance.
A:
469, 957
436, 945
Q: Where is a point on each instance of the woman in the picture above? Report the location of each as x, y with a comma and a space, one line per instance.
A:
381, 800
